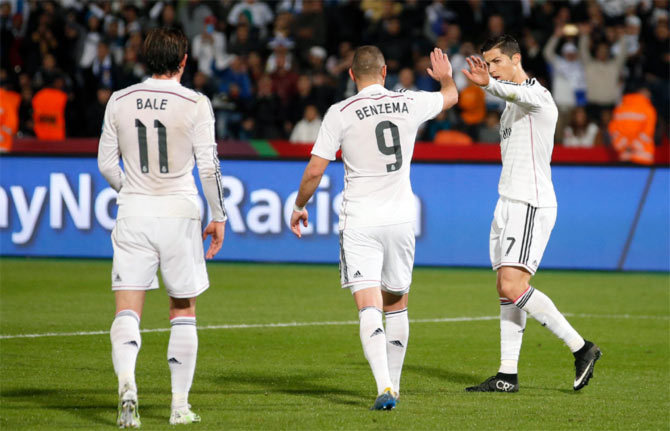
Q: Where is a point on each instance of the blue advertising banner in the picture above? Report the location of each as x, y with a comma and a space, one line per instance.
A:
63, 207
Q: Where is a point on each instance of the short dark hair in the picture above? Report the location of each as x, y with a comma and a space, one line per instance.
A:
506, 43
368, 61
164, 49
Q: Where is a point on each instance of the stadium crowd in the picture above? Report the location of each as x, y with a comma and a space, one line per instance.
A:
273, 68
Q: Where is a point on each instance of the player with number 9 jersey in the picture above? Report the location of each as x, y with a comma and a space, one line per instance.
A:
376, 130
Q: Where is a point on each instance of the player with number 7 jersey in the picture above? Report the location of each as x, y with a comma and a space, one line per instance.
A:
376, 130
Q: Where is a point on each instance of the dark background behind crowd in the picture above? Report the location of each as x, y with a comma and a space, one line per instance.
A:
273, 68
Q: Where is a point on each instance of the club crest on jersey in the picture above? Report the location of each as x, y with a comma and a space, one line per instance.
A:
152, 104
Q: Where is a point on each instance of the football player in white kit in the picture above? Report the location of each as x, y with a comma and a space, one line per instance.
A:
525, 213
376, 130
159, 128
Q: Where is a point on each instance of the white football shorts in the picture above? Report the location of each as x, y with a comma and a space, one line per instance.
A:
377, 256
141, 244
519, 234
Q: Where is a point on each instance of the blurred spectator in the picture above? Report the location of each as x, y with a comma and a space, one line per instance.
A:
209, 49
632, 128
405, 80
602, 73
90, 43
309, 28
231, 110
281, 46
423, 81
440, 122
581, 132
266, 114
101, 73
533, 60
243, 41
47, 73
258, 13
437, 18
192, 17
472, 104
568, 79
49, 113
324, 91
458, 63
316, 60
203, 84
283, 80
307, 129
237, 75
396, 48
131, 70
95, 112
300, 101
489, 132
9, 115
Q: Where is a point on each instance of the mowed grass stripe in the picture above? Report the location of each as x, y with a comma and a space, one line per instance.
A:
332, 323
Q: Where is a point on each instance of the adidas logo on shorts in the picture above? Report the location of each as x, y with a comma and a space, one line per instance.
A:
358, 274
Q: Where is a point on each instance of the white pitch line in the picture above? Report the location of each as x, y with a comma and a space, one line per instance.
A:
326, 323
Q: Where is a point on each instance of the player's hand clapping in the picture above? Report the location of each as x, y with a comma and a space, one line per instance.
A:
479, 71
217, 230
440, 67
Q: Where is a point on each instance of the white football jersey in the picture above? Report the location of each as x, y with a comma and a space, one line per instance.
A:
527, 130
376, 130
159, 129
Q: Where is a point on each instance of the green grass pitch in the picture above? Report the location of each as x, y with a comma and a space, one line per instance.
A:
315, 377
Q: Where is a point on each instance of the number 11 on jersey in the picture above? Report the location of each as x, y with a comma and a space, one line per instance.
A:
162, 146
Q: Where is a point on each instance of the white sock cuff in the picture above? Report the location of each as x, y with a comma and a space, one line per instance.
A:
525, 296
182, 320
365, 309
396, 314
129, 313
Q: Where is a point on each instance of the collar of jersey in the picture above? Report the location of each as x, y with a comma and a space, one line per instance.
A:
159, 82
372, 88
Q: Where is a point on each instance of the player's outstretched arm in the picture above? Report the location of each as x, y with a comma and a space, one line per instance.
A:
216, 230
310, 181
441, 71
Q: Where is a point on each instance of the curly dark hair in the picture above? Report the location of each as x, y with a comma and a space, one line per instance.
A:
164, 49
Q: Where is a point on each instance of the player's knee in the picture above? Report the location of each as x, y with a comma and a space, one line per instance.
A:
510, 287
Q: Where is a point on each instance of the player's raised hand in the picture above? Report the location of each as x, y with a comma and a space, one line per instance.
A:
296, 218
440, 67
479, 71
217, 230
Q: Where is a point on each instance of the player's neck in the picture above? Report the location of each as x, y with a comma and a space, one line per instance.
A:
520, 76
173, 77
364, 84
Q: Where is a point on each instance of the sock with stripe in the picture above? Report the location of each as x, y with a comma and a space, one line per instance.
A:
182, 353
373, 340
397, 335
126, 343
542, 309
512, 325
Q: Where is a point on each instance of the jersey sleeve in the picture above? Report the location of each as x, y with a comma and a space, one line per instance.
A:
109, 153
427, 104
209, 167
328, 140
522, 95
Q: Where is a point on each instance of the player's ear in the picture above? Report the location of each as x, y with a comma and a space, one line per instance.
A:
516, 59
383, 72
351, 75
182, 63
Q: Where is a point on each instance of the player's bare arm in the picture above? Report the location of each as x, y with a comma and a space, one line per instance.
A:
310, 181
479, 71
441, 71
217, 230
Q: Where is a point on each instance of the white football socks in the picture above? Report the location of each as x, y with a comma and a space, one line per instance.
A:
126, 343
512, 325
181, 354
373, 340
542, 309
397, 335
